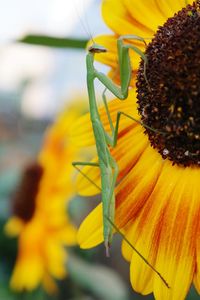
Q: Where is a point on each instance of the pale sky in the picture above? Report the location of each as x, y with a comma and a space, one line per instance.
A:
56, 17
56, 75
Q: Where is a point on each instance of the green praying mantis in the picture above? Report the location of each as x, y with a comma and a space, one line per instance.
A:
104, 140
106, 163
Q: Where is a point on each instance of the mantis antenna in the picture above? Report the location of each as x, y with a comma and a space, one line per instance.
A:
84, 23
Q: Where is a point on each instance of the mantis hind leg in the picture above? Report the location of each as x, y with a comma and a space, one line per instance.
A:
125, 69
75, 164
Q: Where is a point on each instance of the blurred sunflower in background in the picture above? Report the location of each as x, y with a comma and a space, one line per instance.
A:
157, 195
40, 218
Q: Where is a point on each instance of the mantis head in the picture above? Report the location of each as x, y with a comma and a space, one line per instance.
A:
95, 48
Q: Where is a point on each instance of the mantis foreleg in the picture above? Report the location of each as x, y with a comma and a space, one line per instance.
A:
120, 92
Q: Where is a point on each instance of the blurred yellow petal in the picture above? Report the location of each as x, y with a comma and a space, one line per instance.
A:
49, 284
27, 274
14, 226
43, 235
56, 258
68, 235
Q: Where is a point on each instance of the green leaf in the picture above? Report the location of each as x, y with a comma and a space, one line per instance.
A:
99, 280
55, 42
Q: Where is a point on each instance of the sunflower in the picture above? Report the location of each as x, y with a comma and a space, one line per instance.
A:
157, 194
39, 217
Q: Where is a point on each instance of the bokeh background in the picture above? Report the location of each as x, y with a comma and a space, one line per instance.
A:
36, 82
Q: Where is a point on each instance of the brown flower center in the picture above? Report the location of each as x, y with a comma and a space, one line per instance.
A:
25, 196
169, 89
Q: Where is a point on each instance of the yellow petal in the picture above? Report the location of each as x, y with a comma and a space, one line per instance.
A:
91, 184
176, 252
27, 273
126, 153
128, 150
14, 226
145, 12
197, 236
134, 190
82, 133
68, 234
147, 232
56, 257
49, 284
90, 232
119, 19
131, 142
170, 7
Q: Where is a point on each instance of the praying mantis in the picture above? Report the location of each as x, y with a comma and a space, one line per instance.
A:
106, 163
103, 140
